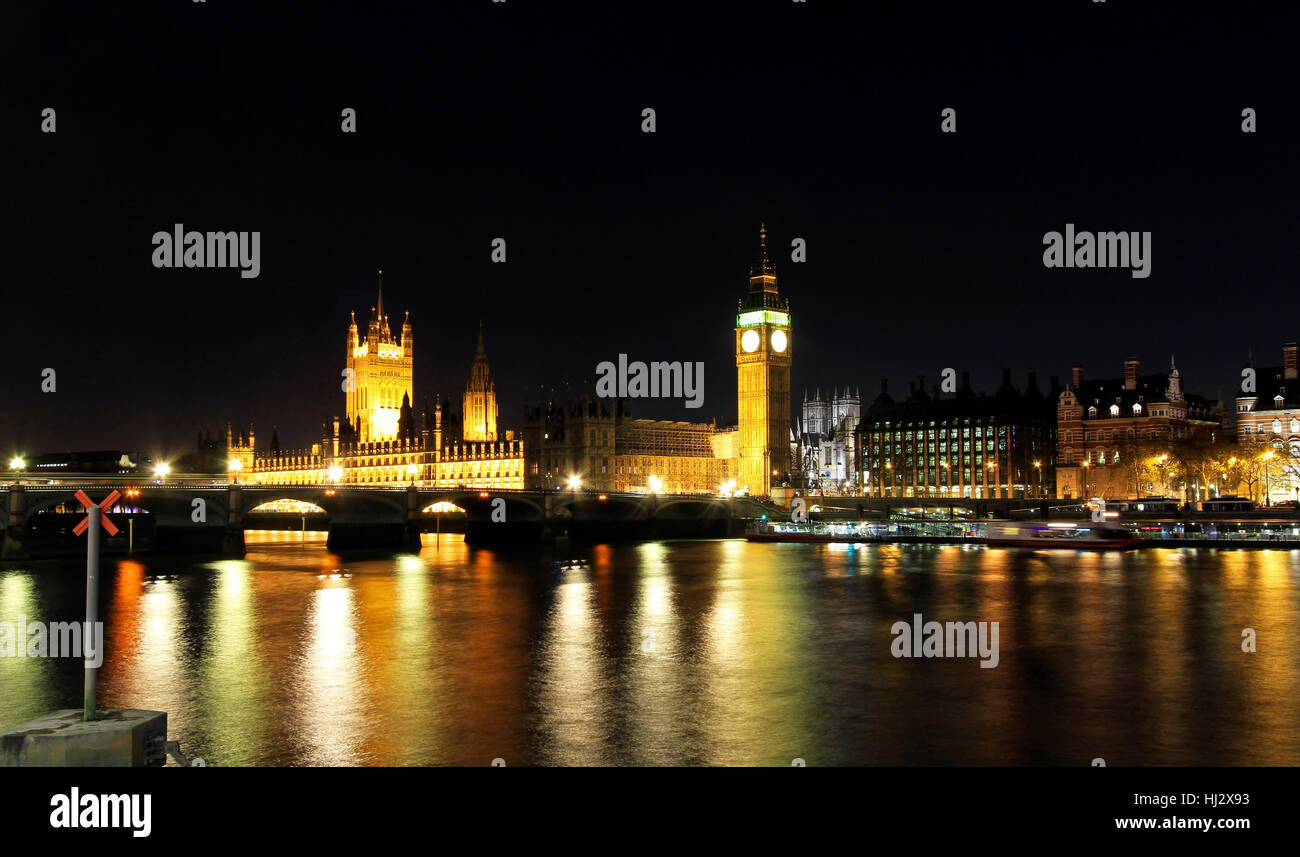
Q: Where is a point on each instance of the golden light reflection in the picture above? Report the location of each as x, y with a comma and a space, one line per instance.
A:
656, 680
330, 707
148, 665
231, 670
572, 686
402, 635
26, 681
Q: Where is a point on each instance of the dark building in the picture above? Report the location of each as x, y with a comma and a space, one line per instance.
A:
569, 438
962, 446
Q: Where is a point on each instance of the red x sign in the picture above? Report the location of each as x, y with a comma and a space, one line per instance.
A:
103, 504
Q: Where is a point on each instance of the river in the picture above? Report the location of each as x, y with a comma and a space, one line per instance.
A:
682, 653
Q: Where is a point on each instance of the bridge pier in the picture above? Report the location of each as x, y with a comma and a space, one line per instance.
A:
233, 539
15, 535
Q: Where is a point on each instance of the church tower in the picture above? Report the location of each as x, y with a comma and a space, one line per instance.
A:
479, 413
763, 346
379, 373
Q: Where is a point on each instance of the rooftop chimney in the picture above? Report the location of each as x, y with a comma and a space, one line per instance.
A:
1076, 375
1130, 373
1289, 364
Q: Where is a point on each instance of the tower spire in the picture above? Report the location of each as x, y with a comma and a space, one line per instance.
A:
380, 306
480, 350
764, 265
762, 274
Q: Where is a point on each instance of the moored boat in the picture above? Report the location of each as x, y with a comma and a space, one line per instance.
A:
1094, 535
835, 531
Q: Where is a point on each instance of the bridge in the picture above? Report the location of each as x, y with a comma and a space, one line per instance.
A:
208, 516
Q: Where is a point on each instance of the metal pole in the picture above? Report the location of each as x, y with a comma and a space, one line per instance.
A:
92, 608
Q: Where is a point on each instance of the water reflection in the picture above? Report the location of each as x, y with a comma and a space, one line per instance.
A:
719, 652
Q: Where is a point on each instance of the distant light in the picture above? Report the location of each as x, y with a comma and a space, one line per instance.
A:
17, 464
236, 464
412, 469
162, 469
335, 473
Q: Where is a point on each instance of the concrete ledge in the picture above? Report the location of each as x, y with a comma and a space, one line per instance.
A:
121, 738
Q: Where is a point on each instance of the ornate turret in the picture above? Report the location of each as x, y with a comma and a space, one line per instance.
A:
480, 404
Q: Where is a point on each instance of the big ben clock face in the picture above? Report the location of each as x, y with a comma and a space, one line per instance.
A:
779, 341
749, 340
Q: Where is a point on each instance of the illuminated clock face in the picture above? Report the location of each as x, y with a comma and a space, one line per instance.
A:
778, 341
749, 340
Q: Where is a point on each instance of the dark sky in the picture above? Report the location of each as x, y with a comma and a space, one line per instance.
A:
522, 120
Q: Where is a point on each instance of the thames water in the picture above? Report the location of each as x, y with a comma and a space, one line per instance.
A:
681, 653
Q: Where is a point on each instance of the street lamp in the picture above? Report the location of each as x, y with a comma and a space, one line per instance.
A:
656, 485
16, 463
162, 470
575, 482
411, 470
335, 473
1085, 478
235, 466
1038, 468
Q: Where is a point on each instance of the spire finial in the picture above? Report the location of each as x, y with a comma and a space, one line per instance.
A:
380, 305
481, 349
762, 267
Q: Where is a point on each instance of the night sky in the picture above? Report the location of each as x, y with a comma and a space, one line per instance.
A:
523, 120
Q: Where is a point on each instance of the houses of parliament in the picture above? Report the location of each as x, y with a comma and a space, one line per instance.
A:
590, 442
381, 440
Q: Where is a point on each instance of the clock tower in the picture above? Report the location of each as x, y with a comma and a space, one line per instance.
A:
763, 346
